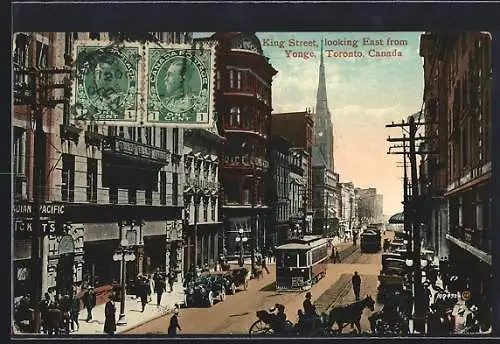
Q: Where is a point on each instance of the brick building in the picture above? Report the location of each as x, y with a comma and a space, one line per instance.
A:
459, 96
103, 193
298, 128
243, 103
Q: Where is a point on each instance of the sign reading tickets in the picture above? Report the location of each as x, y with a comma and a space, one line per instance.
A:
180, 86
107, 86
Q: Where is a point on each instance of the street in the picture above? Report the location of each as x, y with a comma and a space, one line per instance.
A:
237, 312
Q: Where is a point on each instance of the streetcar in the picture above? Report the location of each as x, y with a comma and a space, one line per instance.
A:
370, 241
301, 262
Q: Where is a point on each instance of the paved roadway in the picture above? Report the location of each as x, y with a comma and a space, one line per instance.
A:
237, 312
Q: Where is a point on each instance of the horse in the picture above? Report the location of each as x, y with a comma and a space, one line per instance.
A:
350, 313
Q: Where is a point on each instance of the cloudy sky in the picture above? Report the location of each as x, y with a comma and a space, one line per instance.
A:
364, 94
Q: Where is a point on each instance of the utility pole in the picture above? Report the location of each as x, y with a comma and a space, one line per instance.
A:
405, 202
411, 211
37, 235
419, 321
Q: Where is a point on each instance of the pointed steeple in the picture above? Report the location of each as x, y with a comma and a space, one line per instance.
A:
321, 98
323, 126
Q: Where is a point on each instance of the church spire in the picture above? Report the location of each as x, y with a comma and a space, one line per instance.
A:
321, 98
323, 126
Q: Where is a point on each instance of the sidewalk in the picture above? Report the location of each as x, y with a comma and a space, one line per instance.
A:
133, 314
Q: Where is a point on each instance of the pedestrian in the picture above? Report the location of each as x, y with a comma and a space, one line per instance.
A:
159, 287
89, 301
356, 284
354, 238
142, 291
171, 280
110, 316
270, 254
337, 256
151, 284
433, 276
174, 323
75, 312
65, 308
264, 266
309, 308
332, 257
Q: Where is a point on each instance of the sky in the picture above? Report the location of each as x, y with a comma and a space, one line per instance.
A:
364, 94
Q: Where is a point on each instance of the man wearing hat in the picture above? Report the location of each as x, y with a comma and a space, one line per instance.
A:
89, 301
174, 323
142, 290
279, 318
309, 309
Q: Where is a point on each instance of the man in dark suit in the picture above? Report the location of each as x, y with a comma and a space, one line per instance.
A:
356, 284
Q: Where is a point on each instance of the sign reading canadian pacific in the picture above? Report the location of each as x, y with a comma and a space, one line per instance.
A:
180, 85
147, 85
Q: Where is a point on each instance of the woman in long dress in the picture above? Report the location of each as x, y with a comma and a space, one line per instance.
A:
110, 315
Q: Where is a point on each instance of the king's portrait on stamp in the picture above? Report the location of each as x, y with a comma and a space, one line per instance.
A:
108, 85
178, 93
178, 85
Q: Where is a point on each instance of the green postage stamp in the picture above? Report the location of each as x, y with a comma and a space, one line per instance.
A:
107, 83
180, 86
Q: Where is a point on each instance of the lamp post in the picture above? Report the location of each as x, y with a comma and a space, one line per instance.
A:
253, 216
124, 254
241, 239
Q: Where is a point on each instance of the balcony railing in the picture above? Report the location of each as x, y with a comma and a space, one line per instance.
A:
245, 161
243, 126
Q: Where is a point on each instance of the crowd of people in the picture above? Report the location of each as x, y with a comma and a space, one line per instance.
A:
60, 310
449, 307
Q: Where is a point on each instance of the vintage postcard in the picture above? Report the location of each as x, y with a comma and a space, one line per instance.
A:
276, 184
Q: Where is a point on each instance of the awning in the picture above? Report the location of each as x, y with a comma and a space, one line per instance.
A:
397, 218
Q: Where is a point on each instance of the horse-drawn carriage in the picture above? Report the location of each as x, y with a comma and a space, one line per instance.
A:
268, 323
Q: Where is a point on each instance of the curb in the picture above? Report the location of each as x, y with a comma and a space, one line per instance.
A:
161, 314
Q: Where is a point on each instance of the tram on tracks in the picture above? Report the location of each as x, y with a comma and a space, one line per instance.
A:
301, 262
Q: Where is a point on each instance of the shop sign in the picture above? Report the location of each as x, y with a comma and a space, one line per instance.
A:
26, 226
45, 209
